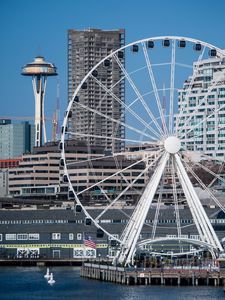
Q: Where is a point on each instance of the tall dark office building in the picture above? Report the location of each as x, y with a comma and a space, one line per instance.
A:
85, 49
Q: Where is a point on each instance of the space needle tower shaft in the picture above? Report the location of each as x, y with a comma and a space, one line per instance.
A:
39, 70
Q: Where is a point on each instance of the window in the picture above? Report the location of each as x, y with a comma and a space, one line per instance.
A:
71, 236
184, 236
56, 236
22, 236
79, 236
10, 237
0, 237
34, 236
194, 236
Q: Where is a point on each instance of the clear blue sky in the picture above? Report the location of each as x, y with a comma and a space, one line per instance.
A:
29, 28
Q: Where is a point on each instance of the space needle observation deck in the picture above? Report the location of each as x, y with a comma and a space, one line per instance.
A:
39, 70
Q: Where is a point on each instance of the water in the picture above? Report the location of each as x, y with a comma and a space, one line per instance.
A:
22, 283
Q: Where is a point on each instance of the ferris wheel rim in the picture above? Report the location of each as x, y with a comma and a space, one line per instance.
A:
175, 38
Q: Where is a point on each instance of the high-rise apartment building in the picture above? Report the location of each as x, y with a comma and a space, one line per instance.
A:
203, 97
85, 49
15, 139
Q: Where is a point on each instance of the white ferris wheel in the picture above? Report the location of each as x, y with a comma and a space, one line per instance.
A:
150, 121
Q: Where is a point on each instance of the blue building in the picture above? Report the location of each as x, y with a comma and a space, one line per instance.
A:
15, 139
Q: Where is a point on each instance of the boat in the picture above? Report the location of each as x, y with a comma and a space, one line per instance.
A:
47, 275
51, 280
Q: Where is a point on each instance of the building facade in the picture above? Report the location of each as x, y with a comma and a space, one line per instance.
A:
85, 49
40, 175
35, 172
58, 233
5, 165
4, 186
203, 97
15, 139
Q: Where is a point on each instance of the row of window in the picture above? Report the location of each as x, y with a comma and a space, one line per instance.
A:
184, 236
36, 236
104, 221
34, 222
21, 236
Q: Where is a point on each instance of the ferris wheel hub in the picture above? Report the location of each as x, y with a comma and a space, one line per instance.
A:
172, 144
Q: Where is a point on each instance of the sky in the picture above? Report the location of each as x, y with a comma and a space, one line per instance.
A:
29, 28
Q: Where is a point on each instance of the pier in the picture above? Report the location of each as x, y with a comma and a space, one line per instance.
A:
193, 276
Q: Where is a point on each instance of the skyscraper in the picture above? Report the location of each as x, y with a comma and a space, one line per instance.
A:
203, 98
15, 139
85, 49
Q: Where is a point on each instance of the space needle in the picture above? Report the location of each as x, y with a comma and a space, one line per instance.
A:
39, 69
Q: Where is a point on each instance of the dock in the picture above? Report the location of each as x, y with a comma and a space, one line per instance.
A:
153, 276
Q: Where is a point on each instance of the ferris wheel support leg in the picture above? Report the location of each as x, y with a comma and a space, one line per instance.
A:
200, 214
134, 227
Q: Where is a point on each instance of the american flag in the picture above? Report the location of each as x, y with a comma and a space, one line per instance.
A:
88, 242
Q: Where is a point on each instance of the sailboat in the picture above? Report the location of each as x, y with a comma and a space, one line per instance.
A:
51, 280
47, 275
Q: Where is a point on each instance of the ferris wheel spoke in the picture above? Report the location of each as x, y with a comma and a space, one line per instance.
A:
201, 220
152, 78
149, 93
205, 168
102, 157
175, 198
124, 177
183, 65
127, 188
114, 174
202, 102
219, 172
104, 137
156, 217
205, 119
192, 138
172, 75
143, 68
192, 210
116, 121
127, 107
195, 71
146, 107
204, 186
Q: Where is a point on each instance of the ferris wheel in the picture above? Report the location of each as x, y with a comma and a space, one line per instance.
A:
151, 131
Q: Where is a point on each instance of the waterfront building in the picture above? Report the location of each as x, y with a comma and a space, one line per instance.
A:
35, 172
5, 165
197, 95
39, 175
3, 182
15, 139
10, 163
85, 174
58, 233
85, 49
